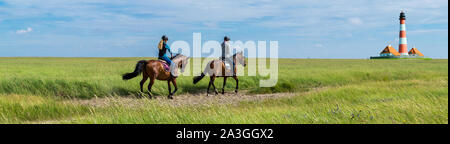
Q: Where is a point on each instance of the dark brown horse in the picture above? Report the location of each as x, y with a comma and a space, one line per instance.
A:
216, 68
154, 69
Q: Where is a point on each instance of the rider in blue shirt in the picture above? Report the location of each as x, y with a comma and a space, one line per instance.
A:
163, 47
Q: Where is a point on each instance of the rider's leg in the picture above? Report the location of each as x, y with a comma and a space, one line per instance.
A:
172, 66
167, 59
230, 61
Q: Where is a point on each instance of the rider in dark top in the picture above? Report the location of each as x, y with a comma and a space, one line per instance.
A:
163, 48
162, 54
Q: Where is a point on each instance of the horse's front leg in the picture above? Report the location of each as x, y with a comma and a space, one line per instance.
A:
170, 90
237, 84
174, 82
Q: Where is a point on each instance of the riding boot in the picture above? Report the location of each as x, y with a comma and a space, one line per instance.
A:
232, 69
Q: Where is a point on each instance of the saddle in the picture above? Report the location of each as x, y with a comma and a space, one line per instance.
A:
165, 65
228, 67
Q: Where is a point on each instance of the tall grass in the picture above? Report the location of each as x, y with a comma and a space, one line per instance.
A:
99, 77
21, 108
410, 101
39, 90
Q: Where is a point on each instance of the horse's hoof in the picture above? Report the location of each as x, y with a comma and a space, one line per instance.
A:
170, 97
236, 91
150, 96
138, 95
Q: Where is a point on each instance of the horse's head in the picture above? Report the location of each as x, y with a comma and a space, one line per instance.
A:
239, 58
181, 61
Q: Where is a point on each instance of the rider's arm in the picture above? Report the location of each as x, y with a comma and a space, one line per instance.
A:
168, 48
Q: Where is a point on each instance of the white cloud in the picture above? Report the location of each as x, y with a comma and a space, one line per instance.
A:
319, 45
24, 31
210, 24
355, 21
428, 31
317, 20
331, 16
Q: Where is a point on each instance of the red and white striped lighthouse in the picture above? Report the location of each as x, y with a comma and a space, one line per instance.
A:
403, 44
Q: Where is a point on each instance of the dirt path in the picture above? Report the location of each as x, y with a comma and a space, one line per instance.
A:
227, 98
189, 99
180, 100
184, 99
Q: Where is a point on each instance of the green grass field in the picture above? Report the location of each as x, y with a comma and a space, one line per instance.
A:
48, 90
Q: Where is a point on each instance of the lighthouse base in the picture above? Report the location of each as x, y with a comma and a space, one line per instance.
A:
397, 57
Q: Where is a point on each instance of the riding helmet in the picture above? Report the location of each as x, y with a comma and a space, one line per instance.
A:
164, 37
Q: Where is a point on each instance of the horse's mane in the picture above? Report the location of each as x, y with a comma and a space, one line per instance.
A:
176, 55
237, 54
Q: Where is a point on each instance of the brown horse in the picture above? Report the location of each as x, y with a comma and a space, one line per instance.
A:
154, 69
216, 68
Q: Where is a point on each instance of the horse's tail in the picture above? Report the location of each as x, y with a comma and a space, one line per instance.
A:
138, 70
198, 78
202, 75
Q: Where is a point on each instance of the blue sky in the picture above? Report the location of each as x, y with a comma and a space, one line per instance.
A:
304, 28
